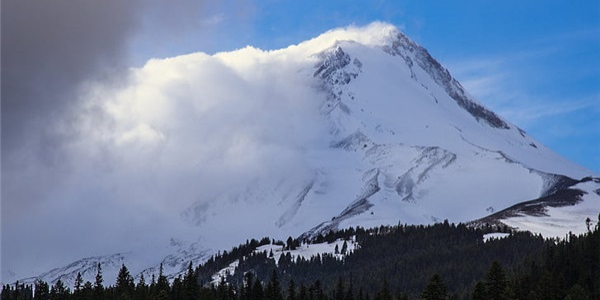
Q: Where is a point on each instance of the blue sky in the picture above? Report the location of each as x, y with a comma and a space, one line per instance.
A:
537, 63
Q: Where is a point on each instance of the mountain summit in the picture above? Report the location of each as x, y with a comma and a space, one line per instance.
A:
402, 141
356, 127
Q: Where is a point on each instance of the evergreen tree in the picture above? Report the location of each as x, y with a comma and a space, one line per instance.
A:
577, 292
162, 284
303, 292
384, 293
273, 291
479, 293
98, 287
190, 284
291, 292
162, 295
141, 289
350, 291
291, 244
435, 289
59, 291
125, 286
257, 291
246, 288
340, 290
496, 284
6, 292
42, 290
87, 292
177, 291
344, 248
317, 290
402, 296
78, 283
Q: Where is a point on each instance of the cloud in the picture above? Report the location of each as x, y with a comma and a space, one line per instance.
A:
53, 52
548, 89
180, 131
503, 87
49, 48
50, 51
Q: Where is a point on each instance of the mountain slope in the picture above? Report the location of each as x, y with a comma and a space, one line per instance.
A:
394, 139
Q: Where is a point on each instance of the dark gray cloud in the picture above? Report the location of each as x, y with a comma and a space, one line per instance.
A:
48, 49
51, 48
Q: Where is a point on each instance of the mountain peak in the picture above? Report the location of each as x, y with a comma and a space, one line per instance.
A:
359, 126
375, 34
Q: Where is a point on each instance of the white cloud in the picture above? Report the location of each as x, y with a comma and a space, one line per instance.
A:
180, 130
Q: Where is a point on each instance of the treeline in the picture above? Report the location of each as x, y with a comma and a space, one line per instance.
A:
441, 261
405, 257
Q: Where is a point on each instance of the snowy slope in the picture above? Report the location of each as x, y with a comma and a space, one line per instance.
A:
395, 139
404, 143
305, 250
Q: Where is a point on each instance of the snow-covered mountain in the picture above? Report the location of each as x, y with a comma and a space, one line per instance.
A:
401, 141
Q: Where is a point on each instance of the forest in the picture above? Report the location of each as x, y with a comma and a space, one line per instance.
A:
439, 261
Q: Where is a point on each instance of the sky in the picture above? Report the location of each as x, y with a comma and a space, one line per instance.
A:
536, 63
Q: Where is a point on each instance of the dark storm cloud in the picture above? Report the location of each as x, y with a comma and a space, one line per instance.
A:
48, 49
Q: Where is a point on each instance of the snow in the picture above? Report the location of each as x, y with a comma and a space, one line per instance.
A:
558, 222
494, 236
223, 273
307, 251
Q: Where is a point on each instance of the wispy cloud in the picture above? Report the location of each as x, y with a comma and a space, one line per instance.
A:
545, 89
214, 19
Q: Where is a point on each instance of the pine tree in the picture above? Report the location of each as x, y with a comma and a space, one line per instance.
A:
384, 293
59, 291
577, 292
291, 292
141, 289
177, 288
87, 292
98, 287
190, 284
257, 291
125, 286
317, 290
496, 284
435, 289
78, 283
344, 248
339, 292
480, 292
162, 283
303, 292
246, 288
290, 243
273, 291
42, 290
350, 291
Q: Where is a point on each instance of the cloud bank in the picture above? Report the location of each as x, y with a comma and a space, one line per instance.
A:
67, 175
175, 132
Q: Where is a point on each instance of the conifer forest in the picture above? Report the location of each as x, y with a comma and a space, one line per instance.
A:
440, 261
